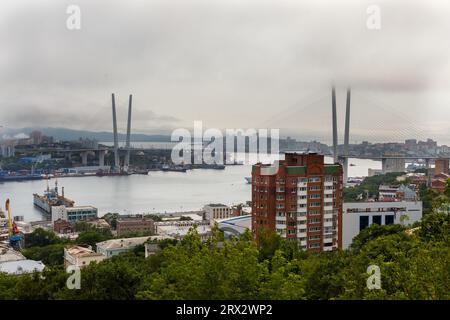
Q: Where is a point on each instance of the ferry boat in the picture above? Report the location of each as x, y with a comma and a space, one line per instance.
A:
51, 198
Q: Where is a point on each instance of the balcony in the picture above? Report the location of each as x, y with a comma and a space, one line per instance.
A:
280, 226
328, 224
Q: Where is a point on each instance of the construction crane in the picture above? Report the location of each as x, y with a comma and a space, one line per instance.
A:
14, 233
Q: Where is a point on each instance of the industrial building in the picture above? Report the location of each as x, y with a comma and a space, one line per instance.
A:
73, 214
235, 226
301, 199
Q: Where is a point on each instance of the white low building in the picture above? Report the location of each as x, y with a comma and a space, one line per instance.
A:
359, 215
178, 229
73, 214
81, 256
216, 211
21, 267
14, 263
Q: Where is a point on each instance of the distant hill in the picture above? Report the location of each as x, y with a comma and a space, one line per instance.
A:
70, 134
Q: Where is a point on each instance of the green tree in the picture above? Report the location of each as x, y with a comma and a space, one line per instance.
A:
50, 255
92, 237
372, 232
269, 243
41, 237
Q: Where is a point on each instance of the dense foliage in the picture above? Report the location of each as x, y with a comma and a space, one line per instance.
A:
414, 264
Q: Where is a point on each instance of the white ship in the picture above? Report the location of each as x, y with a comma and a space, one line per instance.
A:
51, 198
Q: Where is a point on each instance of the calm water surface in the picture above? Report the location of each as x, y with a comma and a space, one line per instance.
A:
157, 192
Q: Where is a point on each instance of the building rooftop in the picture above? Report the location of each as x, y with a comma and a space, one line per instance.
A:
127, 242
215, 205
174, 231
78, 251
122, 243
193, 216
21, 266
8, 254
81, 208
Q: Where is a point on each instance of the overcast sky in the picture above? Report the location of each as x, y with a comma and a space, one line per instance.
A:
229, 63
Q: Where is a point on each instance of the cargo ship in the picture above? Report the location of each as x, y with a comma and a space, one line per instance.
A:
51, 198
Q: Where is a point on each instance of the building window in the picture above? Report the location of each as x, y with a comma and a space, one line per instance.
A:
363, 222
389, 219
377, 220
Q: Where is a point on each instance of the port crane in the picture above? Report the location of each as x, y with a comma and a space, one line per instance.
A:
14, 233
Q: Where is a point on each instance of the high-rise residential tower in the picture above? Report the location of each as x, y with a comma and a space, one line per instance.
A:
301, 199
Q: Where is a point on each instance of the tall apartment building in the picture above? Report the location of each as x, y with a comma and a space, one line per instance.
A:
441, 166
301, 200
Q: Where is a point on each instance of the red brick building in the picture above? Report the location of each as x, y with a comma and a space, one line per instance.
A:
302, 201
441, 166
439, 181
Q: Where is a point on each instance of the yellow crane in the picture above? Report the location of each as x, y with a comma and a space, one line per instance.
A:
14, 234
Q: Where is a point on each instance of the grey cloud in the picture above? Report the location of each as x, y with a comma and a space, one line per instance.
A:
229, 63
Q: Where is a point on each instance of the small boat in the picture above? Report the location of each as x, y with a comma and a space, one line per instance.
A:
352, 165
248, 179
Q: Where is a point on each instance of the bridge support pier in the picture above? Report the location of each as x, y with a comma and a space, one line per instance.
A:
101, 158
68, 156
392, 165
84, 158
